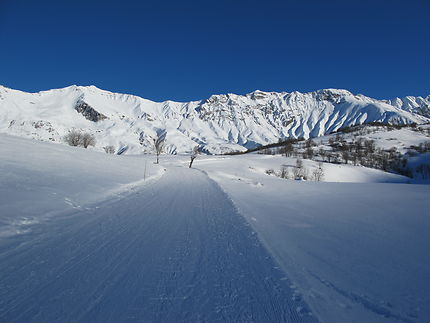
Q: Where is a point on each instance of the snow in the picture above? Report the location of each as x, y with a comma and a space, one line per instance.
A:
401, 140
357, 252
413, 104
173, 251
39, 180
221, 123
84, 237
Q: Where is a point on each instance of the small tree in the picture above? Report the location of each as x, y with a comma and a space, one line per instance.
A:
284, 172
299, 171
73, 138
193, 155
322, 153
109, 149
87, 139
345, 156
288, 148
309, 153
318, 173
159, 142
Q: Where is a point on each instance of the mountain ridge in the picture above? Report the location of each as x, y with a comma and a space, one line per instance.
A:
220, 123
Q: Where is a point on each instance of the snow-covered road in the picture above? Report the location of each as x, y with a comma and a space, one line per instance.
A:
175, 250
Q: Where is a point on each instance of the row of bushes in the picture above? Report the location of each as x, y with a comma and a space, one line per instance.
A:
299, 172
84, 139
76, 138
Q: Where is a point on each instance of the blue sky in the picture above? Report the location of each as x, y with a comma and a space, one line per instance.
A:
188, 50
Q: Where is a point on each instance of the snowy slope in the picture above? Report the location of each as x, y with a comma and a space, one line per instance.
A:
418, 105
174, 250
85, 238
218, 124
357, 252
40, 180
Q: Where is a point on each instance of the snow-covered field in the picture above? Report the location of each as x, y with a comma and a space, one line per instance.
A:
38, 180
357, 252
87, 236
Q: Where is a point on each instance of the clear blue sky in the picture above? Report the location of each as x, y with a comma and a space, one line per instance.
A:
188, 50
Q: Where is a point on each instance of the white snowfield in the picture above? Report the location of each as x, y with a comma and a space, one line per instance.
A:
222, 242
218, 124
357, 252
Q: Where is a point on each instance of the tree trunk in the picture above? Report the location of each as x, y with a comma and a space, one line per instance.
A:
191, 162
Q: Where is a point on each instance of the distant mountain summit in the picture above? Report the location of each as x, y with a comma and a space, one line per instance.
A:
418, 105
218, 124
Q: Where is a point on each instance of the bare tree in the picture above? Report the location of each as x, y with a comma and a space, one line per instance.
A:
309, 153
322, 152
369, 145
299, 171
109, 149
345, 156
289, 148
87, 139
73, 138
193, 155
284, 172
159, 142
318, 173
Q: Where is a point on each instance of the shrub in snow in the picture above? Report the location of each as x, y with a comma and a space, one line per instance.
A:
109, 149
88, 139
76, 138
318, 173
284, 173
270, 171
299, 171
73, 138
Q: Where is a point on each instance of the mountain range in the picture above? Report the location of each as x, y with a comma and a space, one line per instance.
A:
220, 123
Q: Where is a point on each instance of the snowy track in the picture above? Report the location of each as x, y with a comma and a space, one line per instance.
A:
174, 251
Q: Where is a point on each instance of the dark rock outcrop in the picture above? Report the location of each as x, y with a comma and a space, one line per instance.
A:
88, 112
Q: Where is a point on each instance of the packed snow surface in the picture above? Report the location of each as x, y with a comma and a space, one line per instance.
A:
87, 236
172, 251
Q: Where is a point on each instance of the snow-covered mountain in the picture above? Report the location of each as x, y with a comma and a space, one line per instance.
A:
418, 105
220, 123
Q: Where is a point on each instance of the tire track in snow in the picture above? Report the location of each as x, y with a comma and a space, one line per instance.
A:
175, 251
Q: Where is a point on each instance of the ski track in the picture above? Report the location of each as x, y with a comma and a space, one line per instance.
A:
174, 251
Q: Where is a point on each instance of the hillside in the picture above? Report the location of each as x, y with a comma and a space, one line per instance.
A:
85, 235
218, 124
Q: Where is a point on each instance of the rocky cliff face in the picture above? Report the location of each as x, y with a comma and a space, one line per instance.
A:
88, 112
218, 124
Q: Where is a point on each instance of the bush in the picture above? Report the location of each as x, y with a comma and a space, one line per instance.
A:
88, 139
284, 172
318, 173
76, 138
73, 138
299, 171
109, 149
270, 172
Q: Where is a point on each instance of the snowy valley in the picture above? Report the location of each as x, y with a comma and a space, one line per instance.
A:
96, 237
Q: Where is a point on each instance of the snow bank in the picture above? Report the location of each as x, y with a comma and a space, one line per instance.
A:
40, 179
